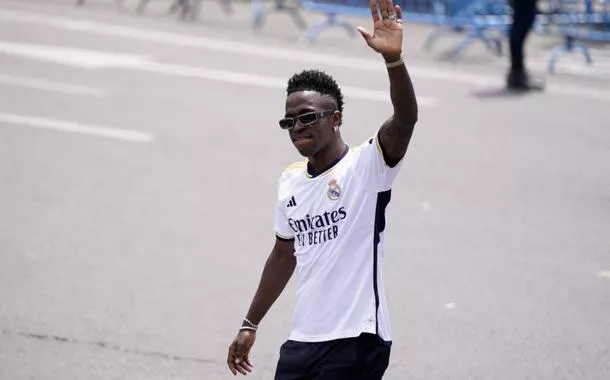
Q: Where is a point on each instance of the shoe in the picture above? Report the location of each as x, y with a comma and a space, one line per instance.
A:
521, 81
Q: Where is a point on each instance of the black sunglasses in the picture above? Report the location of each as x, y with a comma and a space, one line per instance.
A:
305, 119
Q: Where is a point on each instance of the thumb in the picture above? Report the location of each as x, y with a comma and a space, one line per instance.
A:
239, 353
367, 36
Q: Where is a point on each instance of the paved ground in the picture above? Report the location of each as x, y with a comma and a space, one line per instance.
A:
139, 157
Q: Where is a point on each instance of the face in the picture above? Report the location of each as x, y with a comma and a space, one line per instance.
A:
314, 138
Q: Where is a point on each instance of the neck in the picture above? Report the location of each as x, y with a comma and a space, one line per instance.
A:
326, 157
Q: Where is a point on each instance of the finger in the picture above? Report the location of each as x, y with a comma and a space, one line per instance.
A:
367, 36
231, 361
245, 361
244, 368
248, 361
390, 6
239, 353
384, 9
374, 10
232, 367
398, 12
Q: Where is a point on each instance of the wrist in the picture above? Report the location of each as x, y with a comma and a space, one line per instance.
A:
249, 329
395, 63
394, 57
248, 324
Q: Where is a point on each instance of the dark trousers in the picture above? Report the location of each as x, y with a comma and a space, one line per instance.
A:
363, 358
524, 15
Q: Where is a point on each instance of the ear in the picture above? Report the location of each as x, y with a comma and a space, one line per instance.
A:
337, 119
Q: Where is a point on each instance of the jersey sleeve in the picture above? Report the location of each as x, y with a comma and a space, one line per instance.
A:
282, 226
373, 166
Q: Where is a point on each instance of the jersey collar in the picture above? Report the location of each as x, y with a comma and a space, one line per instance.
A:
312, 174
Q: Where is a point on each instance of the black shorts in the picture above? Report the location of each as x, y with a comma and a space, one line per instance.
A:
363, 358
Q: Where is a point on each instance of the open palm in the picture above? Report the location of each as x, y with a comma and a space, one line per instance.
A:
386, 38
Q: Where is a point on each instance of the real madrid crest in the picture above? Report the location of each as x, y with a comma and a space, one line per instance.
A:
334, 190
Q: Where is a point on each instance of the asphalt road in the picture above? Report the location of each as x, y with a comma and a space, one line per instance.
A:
139, 157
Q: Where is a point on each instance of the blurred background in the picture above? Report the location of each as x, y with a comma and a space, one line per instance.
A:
139, 156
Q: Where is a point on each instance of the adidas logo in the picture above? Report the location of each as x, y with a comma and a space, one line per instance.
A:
292, 202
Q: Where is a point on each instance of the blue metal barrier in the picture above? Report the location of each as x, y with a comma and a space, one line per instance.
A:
189, 9
260, 11
480, 18
579, 22
485, 20
423, 11
335, 12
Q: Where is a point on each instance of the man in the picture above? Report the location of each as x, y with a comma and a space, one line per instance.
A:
329, 223
524, 15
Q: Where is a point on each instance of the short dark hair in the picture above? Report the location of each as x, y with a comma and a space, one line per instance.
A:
316, 80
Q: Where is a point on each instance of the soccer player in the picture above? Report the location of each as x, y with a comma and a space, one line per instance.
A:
329, 224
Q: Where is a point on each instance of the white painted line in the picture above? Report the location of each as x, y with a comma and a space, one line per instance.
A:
227, 46
75, 57
39, 84
604, 274
72, 127
450, 306
97, 60
301, 55
264, 81
564, 90
584, 92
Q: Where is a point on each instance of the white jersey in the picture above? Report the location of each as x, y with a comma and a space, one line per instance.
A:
337, 221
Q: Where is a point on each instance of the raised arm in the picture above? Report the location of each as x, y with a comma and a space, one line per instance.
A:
395, 133
276, 274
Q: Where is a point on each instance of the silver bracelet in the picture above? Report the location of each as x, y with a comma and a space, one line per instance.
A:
247, 328
389, 65
250, 323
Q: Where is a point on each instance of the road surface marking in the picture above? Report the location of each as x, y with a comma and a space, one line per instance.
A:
39, 84
604, 274
228, 46
97, 60
263, 81
74, 57
299, 55
73, 127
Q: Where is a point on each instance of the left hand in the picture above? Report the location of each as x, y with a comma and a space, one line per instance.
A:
387, 30
238, 359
